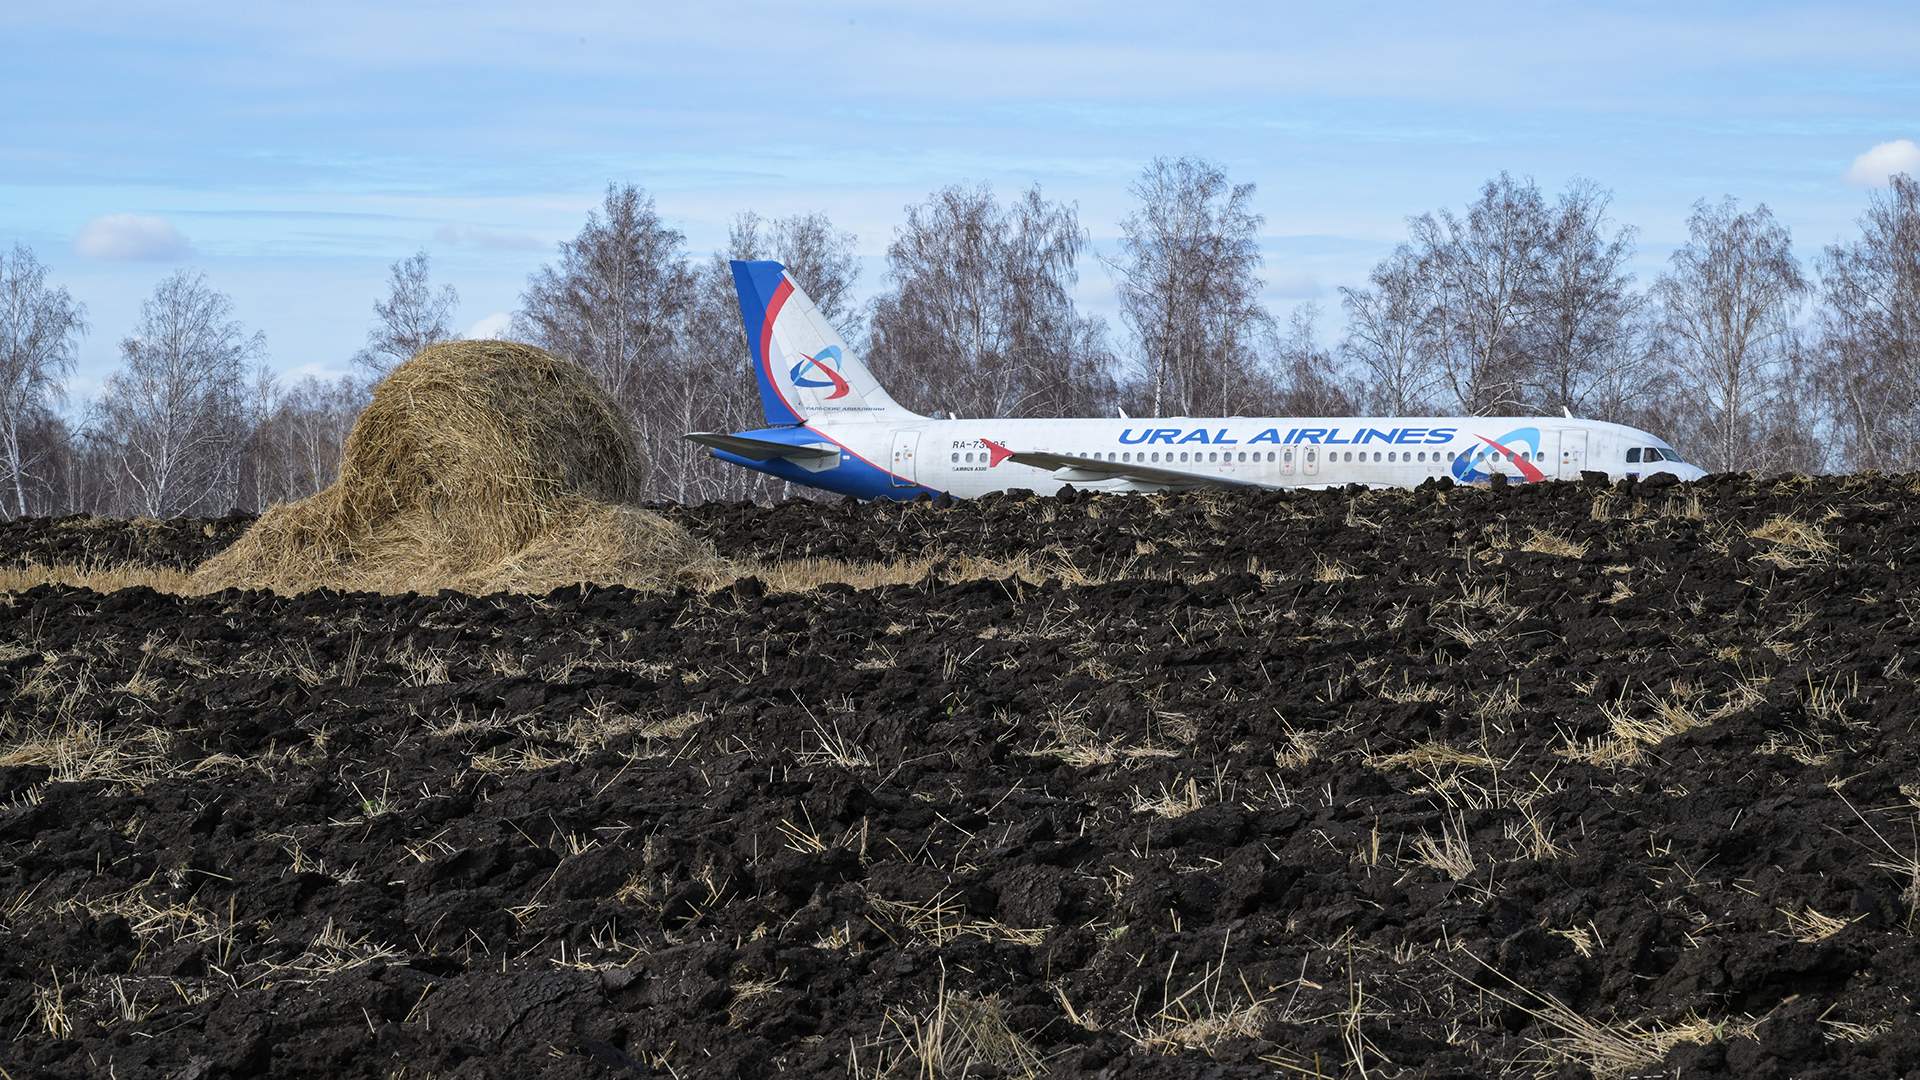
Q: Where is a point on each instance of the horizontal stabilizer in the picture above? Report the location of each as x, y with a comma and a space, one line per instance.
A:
766, 449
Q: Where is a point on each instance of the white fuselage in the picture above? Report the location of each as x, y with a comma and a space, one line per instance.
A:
831, 425
966, 458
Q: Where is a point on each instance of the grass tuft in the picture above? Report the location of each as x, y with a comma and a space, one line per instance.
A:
1794, 544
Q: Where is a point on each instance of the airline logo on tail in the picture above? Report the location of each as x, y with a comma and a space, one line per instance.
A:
825, 362
801, 364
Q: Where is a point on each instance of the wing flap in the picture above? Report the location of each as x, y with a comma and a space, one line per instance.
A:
1087, 470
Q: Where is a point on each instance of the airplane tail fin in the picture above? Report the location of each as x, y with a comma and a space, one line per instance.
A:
804, 369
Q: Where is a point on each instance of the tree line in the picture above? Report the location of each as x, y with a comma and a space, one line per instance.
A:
1520, 302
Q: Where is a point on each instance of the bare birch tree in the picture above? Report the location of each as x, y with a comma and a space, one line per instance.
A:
410, 318
40, 329
295, 450
72, 479
259, 397
614, 301
979, 317
1726, 322
1479, 277
1190, 290
1392, 339
1306, 377
1585, 347
821, 259
1869, 332
173, 414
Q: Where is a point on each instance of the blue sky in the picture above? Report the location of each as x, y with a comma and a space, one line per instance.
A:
293, 151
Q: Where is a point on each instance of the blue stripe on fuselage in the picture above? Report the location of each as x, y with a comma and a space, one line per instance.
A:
851, 477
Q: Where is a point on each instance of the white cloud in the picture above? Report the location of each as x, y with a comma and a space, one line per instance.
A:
131, 236
322, 371
481, 237
1872, 168
1293, 285
493, 326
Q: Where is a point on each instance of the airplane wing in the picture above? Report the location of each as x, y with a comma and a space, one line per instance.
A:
1070, 468
766, 449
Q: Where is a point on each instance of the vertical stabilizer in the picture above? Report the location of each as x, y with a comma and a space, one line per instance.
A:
804, 369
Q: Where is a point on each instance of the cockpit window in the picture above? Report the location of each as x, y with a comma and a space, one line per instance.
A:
1633, 456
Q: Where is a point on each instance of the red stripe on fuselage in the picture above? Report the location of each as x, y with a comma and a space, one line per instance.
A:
780, 294
868, 461
1527, 468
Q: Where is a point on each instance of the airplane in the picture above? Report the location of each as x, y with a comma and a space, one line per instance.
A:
831, 425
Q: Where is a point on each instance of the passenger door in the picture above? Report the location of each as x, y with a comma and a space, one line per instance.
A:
906, 444
1573, 453
1310, 460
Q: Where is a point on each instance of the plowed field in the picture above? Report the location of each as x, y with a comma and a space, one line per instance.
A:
1567, 779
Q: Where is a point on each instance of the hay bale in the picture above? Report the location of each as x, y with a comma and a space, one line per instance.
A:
480, 466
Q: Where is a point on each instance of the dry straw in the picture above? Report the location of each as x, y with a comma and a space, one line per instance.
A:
481, 466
